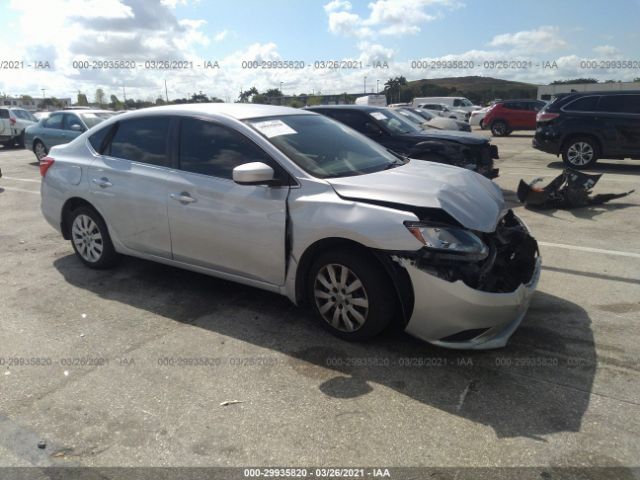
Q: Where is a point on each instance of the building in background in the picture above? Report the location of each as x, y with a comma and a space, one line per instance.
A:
548, 92
34, 104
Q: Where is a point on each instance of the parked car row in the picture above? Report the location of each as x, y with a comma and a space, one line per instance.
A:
297, 203
61, 127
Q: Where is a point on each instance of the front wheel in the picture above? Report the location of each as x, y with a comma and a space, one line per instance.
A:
90, 239
351, 294
580, 153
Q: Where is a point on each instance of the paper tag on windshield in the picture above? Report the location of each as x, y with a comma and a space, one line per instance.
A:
379, 116
274, 128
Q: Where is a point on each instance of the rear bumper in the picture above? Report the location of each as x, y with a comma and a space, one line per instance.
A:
546, 142
443, 309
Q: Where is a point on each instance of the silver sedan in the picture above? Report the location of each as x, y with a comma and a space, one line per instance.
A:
295, 203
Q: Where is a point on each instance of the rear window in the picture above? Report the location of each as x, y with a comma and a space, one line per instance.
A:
97, 138
584, 104
620, 104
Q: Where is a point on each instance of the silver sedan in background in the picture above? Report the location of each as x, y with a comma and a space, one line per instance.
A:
298, 204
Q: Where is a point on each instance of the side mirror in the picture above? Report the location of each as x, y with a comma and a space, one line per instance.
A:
254, 173
373, 130
76, 127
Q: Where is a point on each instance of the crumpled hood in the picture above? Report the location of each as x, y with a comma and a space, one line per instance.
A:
474, 201
465, 138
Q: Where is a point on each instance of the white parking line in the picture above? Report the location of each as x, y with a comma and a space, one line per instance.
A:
590, 250
21, 179
11, 189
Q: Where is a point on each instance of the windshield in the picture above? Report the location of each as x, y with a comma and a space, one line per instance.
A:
411, 116
94, 118
324, 147
395, 123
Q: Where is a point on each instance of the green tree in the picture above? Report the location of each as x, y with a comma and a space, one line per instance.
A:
247, 94
82, 100
100, 97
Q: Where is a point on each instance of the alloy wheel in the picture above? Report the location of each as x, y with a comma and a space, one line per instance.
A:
580, 153
87, 238
341, 298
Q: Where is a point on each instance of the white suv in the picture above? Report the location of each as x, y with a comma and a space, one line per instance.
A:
13, 123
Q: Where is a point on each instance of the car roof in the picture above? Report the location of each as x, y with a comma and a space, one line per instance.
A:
364, 108
239, 111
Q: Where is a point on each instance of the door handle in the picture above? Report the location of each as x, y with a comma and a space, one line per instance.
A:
102, 182
183, 197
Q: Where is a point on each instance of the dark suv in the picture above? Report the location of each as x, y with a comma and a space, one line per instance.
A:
394, 132
586, 126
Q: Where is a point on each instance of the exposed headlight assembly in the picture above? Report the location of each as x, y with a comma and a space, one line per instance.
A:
449, 242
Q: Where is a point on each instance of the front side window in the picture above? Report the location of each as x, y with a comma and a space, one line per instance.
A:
54, 121
323, 147
142, 140
211, 149
71, 122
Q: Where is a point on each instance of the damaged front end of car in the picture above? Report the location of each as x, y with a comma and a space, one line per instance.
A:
471, 289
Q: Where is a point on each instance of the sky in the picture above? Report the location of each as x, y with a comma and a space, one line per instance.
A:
553, 39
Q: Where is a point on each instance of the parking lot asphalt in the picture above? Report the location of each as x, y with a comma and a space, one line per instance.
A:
133, 366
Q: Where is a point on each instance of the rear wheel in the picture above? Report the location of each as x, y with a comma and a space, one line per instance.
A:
580, 152
351, 294
39, 149
499, 129
90, 238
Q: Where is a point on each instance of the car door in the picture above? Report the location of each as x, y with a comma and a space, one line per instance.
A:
128, 184
217, 223
621, 120
72, 126
52, 132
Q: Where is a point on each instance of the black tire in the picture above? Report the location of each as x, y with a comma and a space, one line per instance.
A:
500, 128
580, 152
36, 149
376, 291
107, 256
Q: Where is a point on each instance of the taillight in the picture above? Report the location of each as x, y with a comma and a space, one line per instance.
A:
546, 116
45, 164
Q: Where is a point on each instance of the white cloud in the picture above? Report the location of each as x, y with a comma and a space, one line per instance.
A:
348, 24
542, 39
606, 51
221, 35
335, 5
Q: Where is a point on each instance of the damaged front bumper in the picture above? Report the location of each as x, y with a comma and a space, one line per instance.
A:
474, 304
453, 315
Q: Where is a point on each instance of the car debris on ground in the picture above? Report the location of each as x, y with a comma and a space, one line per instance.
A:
570, 189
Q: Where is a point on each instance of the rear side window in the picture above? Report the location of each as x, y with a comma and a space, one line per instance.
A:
584, 104
214, 150
4, 113
620, 104
142, 140
96, 140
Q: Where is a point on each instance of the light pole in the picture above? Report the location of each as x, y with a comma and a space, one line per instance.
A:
365, 84
377, 86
